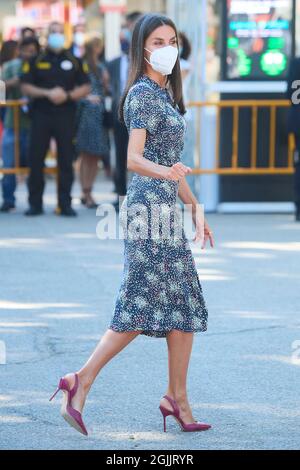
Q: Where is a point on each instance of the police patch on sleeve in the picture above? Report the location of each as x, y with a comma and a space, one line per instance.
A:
66, 65
85, 67
26, 67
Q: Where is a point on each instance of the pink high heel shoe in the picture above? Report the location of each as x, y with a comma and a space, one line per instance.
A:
175, 413
72, 416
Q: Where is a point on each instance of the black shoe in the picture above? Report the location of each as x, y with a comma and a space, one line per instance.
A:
34, 211
7, 207
67, 211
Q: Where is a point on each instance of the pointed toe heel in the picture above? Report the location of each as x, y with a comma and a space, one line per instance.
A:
165, 413
190, 427
71, 416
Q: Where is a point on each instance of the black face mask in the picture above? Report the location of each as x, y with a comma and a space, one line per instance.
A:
125, 46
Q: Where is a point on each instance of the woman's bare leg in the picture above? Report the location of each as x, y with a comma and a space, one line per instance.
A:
81, 168
88, 173
179, 352
111, 343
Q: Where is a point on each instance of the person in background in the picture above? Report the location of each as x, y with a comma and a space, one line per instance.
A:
185, 50
293, 126
27, 33
118, 71
9, 51
55, 81
11, 73
92, 140
77, 47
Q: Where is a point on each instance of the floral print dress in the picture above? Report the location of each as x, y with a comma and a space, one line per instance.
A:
160, 290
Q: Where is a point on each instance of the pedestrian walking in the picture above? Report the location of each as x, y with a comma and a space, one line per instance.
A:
160, 295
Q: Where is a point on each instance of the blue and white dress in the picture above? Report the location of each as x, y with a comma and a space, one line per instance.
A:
160, 290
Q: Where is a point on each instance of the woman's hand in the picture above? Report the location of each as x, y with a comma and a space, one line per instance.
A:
176, 171
203, 231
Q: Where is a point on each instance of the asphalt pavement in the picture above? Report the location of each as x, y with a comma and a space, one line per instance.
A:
58, 286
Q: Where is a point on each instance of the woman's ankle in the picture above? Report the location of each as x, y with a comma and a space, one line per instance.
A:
178, 396
87, 189
85, 381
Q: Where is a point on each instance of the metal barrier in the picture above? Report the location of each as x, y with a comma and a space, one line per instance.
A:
253, 169
233, 169
16, 105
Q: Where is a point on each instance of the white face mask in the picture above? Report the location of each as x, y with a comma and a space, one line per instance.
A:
163, 59
79, 38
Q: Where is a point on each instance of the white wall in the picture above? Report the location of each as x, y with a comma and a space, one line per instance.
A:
7, 8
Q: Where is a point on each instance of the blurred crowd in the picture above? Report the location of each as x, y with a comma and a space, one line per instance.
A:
71, 98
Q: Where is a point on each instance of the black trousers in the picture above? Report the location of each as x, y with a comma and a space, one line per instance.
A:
297, 173
61, 126
121, 143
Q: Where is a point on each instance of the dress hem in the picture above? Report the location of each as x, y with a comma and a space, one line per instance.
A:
157, 333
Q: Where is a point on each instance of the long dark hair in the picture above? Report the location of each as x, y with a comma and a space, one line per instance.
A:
186, 46
89, 55
8, 51
142, 30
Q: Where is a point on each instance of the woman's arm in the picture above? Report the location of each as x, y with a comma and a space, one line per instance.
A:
138, 163
34, 92
106, 81
203, 230
186, 195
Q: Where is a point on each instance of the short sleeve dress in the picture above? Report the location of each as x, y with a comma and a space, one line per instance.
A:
160, 289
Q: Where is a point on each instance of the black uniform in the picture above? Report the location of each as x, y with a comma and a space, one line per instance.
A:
49, 70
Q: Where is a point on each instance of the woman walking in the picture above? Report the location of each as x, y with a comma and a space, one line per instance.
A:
160, 294
92, 141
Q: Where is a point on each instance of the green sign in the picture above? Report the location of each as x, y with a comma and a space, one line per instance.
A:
276, 43
273, 62
232, 43
258, 39
244, 63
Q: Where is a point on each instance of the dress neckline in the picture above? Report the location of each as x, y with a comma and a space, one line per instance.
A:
153, 83
155, 86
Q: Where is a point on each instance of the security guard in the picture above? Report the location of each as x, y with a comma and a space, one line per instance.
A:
54, 81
